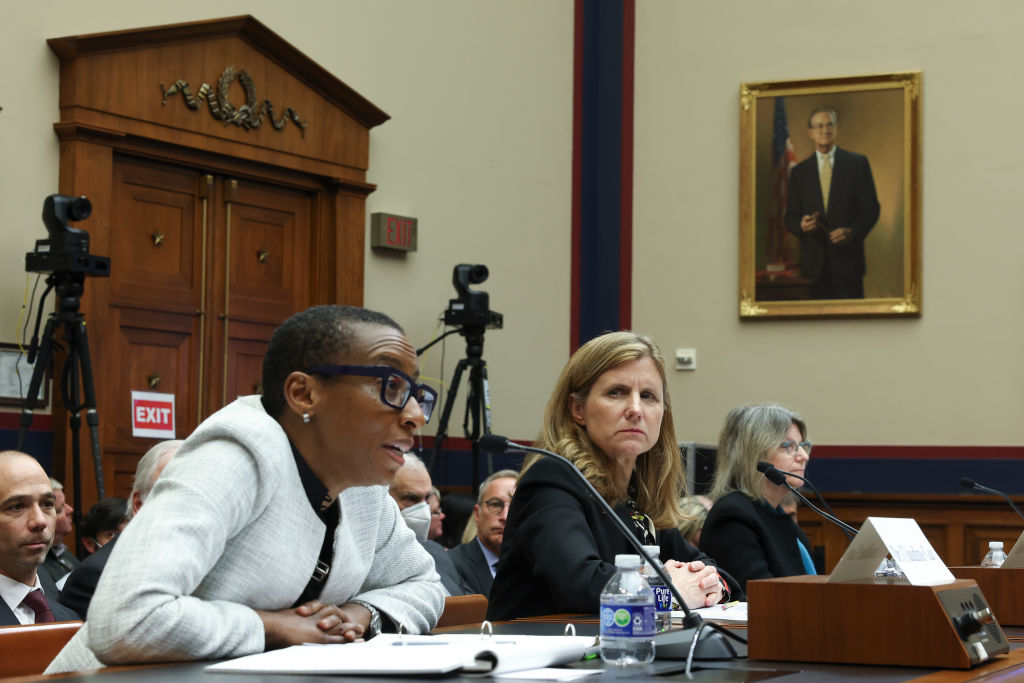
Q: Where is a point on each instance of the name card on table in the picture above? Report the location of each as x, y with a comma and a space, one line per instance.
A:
1015, 558
904, 541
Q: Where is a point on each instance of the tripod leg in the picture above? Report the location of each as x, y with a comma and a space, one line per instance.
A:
449, 402
38, 372
89, 394
485, 391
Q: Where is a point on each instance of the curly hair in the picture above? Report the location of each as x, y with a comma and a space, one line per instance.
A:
658, 473
315, 336
750, 434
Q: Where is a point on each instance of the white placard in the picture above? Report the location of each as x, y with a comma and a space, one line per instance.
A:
1015, 558
904, 541
152, 415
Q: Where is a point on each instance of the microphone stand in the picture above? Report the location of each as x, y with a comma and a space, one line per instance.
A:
778, 477
693, 624
971, 484
817, 493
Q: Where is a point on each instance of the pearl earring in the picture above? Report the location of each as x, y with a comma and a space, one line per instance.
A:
305, 418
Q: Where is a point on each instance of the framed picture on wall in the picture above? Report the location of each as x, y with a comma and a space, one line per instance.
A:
15, 376
830, 197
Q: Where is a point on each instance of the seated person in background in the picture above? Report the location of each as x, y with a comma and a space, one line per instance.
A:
60, 560
81, 583
611, 416
457, 508
272, 525
695, 511
102, 523
749, 534
411, 489
477, 558
436, 515
27, 519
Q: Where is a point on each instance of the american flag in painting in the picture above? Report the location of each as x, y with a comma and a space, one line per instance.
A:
783, 160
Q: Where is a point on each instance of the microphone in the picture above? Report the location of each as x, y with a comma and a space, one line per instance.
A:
817, 493
971, 484
692, 622
778, 477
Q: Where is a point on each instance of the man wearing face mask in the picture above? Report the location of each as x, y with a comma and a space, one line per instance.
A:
412, 489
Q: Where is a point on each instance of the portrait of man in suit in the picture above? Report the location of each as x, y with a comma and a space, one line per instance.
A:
832, 208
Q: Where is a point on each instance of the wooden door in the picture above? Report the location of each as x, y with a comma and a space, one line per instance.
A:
208, 267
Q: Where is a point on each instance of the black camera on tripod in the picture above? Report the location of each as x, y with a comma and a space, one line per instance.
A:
472, 308
67, 249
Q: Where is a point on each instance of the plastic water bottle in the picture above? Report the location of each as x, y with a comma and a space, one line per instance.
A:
995, 555
627, 615
662, 595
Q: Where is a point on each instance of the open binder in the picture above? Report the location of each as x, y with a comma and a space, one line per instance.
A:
406, 655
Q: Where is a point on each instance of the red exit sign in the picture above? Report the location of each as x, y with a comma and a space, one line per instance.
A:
388, 231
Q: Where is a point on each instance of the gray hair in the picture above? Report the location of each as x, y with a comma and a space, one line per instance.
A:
751, 434
144, 479
414, 460
56, 485
831, 113
500, 474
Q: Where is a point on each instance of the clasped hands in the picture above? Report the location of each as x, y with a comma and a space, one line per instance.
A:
698, 583
314, 622
812, 221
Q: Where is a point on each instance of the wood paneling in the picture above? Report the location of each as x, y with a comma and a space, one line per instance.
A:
959, 527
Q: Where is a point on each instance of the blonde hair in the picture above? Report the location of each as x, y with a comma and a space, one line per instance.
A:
658, 473
694, 514
750, 434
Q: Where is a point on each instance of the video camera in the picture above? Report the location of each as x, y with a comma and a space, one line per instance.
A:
472, 308
67, 249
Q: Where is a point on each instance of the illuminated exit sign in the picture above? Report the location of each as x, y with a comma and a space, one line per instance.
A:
388, 231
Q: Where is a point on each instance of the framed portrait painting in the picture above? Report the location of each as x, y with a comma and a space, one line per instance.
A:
830, 197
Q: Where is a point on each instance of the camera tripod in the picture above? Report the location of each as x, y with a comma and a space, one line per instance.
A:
478, 401
69, 286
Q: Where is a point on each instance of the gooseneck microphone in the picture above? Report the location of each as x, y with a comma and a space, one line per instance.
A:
971, 484
778, 477
667, 642
817, 493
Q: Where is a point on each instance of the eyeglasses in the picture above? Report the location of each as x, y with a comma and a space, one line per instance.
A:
395, 389
496, 505
792, 446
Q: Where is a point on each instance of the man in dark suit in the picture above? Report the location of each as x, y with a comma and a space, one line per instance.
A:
27, 519
81, 583
412, 490
60, 560
831, 209
476, 559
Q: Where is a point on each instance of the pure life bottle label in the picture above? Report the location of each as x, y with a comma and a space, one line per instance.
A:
627, 620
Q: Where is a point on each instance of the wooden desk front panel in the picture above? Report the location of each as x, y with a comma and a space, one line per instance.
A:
959, 527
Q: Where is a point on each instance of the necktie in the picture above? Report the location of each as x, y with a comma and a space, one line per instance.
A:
36, 601
826, 180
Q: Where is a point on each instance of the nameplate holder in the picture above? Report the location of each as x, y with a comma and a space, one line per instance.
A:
900, 538
1015, 558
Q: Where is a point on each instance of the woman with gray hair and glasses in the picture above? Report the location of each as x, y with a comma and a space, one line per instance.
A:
747, 531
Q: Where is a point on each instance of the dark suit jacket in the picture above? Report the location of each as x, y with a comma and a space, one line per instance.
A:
852, 203
559, 547
472, 565
751, 540
60, 565
60, 613
80, 586
446, 569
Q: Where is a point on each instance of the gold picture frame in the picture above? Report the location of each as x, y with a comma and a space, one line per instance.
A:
799, 261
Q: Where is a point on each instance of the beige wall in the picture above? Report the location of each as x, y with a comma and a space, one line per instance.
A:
950, 377
478, 148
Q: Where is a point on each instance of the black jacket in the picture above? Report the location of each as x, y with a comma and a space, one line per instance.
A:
751, 540
559, 547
